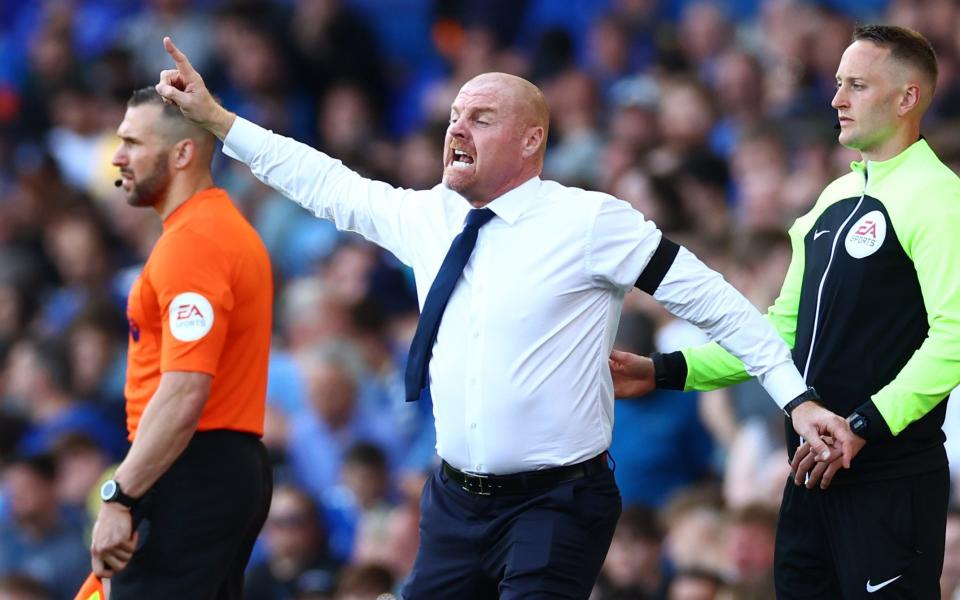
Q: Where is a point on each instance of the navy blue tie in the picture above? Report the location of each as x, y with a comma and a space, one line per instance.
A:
457, 256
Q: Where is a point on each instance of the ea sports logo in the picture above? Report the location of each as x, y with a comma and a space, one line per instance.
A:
867, 235
190, 316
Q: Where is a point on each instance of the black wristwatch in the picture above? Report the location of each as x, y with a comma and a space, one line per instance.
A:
859, 424
810, 394
110, 492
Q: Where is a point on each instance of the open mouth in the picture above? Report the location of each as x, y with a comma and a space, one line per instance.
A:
461, 160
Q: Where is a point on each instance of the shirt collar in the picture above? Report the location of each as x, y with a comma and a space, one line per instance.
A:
879, 168
511, 205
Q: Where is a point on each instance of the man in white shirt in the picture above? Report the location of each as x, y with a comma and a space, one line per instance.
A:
530, 292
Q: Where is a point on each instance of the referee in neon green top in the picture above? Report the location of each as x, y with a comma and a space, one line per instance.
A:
871, 308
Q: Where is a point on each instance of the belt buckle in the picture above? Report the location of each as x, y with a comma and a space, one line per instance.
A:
479, 491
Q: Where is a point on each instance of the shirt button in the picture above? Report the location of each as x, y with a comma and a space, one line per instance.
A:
476, 334
473, 425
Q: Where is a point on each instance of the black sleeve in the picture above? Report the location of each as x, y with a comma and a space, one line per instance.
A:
658, 266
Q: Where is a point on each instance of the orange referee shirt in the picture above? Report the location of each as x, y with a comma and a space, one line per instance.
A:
203, 303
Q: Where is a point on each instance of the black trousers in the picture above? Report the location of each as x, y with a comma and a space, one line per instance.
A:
199, 521
873, 540
547, 544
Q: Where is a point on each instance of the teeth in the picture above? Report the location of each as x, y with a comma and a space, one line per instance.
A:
461, 158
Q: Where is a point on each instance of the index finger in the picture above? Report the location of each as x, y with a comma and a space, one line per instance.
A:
179, 58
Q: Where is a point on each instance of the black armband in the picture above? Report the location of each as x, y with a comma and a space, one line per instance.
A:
658, 266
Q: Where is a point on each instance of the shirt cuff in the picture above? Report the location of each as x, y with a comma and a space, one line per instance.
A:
783, 383
669, 370
877, 427
244, 140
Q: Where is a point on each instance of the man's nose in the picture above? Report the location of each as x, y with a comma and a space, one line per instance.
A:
457, 129
839, 99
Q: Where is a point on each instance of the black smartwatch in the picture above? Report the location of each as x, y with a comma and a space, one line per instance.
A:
810, 394
110, 492
859, 424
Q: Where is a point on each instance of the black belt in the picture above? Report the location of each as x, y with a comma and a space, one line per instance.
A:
526, 482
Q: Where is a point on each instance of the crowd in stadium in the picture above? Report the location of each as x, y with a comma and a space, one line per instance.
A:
712, 118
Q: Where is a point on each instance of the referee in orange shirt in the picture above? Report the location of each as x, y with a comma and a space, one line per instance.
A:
197, 477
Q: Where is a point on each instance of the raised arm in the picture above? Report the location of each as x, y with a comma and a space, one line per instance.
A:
312, 179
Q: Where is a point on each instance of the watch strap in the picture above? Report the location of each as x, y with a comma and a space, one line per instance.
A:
808, 395
121, 498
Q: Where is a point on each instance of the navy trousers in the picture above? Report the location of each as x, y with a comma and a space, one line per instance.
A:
547, 544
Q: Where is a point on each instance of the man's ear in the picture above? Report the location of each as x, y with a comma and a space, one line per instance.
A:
909, 99
532, 140
183, 153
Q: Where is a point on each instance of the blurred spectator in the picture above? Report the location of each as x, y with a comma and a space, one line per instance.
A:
37, 538
37, 383
750, 534
418, 167
176, 18
696, 584
633, 569
740, 98
76, 242
686, 115
573, 157
260, 84
309, 314
96, 342
320, 436
392, 537
81, 465
694, 530
296, 557
704, 33
364, 582
356, 509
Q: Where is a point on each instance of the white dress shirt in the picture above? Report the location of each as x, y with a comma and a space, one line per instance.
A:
519, 374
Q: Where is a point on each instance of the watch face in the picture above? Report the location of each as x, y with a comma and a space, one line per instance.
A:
858, 424
108, 490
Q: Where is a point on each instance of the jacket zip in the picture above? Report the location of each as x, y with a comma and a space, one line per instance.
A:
826, 271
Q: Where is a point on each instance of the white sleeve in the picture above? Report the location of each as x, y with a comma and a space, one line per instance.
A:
692, 291
620, 243
323, 185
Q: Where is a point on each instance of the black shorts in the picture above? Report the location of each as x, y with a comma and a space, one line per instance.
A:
875, 540
198, 523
